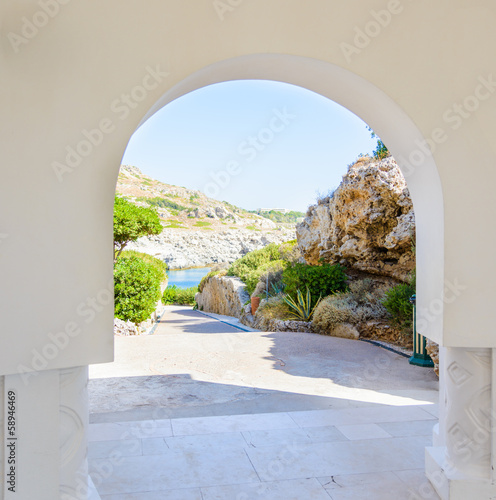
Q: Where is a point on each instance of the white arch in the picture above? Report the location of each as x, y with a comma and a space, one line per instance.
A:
390, 122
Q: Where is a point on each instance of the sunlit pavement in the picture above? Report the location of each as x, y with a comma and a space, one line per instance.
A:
201, 410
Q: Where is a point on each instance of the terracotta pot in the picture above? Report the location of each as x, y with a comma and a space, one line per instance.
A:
255, 302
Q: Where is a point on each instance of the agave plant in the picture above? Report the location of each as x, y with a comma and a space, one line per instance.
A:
303, 308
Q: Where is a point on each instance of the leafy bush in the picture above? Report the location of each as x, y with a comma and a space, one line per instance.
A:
398, 305
321, 280
182, 296
158, 264
251, 266
273, 308
363, 302
290, 251
136, 288
333, 311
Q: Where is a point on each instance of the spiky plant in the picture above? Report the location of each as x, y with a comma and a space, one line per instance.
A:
302, 309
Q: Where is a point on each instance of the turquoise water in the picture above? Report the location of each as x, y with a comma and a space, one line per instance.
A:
186, 278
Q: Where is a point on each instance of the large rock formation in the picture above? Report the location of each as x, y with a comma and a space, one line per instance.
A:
368, 224
225, 295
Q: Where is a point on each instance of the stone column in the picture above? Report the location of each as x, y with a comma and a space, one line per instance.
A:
460, 467
45, 423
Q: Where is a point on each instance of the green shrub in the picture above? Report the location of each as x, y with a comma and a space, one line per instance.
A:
321, 280
251, 266
333, 311
398, 305
202, 223
136, 288
158, 264
181, 296
273, 308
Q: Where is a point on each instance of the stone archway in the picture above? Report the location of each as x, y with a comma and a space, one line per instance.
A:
65, 67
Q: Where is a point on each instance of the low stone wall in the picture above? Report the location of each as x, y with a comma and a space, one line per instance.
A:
225, 295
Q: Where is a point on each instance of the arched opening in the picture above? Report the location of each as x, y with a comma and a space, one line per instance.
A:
392, 124
368, 102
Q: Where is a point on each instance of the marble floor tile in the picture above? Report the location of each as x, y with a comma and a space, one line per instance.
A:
324, 434
366, 415
275, 437
419, 487
301, 489
404, 429
175, 469
231, 423
129, 430
186, 494
337, 458
126, 448
362, 431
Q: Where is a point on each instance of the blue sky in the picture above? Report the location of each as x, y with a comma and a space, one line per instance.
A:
251, 143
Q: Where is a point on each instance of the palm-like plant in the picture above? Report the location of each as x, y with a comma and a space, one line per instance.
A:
303, 308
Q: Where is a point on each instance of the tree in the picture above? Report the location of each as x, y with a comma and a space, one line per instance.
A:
131, 222
381, 151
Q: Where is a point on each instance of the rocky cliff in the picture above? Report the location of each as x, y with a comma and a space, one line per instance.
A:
367, 224
225, 295
181, 248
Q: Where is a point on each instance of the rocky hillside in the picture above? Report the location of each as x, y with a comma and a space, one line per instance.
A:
182, 208
368, 224
181, 248
198, 231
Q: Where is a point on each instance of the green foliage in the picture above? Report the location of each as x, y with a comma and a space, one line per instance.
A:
333, 311
250, 267
158, 264
182, 296
163, 203
398, 305
381, 151
363, 302
202, 223
321, 280
131, 222
280, 218
174, 225
136, 288
302, 308
271, 309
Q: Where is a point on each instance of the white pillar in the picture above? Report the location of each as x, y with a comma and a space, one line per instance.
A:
460, 466
45, 423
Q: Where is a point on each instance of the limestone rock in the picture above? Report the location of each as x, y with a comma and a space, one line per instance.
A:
346, 331
368, 224
181, 248
433, 351
225, 295
125, 328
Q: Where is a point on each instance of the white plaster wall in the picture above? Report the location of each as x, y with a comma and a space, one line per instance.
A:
66, 76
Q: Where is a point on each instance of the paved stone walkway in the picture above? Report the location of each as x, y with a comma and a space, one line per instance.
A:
201, 411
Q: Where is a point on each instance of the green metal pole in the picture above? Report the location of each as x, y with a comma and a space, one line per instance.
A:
420, 356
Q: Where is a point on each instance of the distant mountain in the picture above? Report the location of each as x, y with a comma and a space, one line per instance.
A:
182, 208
